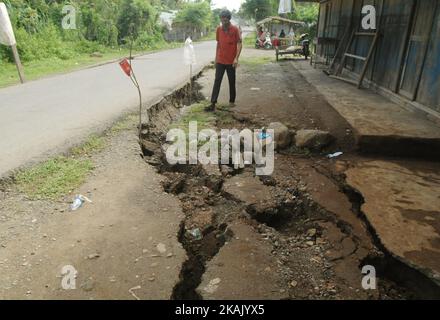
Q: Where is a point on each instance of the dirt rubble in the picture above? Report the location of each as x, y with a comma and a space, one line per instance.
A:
298, 234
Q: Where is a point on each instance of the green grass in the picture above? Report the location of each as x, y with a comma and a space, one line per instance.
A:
210, 36
53, 178
60, 175
40, 68
221, 119
224, 116
127, 123
254, 62
249, 40
204, 119
93, 144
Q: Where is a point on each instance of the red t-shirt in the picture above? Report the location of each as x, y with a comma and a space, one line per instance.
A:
227, 42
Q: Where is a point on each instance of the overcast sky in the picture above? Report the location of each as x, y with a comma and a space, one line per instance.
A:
230, 4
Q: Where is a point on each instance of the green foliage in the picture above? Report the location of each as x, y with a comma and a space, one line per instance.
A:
308, 13
97, 22
249, 40
195, 15
101, 24
303, 11
260, 9
53, 178
137, 17
46, 43
257, 9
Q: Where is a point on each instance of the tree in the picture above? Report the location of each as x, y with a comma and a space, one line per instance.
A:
306, 12
257, 9
195, 15
137, 16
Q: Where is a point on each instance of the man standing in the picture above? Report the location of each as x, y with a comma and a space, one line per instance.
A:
228, 52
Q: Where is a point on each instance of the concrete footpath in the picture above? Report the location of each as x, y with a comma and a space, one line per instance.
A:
401, 195
380, 125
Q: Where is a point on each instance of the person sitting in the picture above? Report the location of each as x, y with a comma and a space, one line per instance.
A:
261, 33
282, 34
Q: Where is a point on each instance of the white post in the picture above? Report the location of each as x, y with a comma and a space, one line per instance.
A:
190, 83
189, 58
7, 37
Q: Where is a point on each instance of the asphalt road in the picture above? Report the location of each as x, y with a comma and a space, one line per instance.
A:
47, 116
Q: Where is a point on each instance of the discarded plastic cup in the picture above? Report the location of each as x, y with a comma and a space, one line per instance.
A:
78, 202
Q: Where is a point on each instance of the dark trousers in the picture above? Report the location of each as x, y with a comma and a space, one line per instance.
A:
219, 73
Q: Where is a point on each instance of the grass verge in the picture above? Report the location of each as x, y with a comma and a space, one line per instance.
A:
249, 40
61, 175
255, 62
205, 119
128, 122
53, 178
37, 69
197, 113
93, 144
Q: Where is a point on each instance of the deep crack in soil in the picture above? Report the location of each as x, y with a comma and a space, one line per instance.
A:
319, 247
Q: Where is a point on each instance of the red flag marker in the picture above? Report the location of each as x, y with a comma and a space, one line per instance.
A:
126, 67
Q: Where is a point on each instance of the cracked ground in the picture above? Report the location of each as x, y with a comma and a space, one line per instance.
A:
157, 231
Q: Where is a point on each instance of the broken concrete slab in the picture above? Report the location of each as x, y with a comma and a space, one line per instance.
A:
313, 139
248, 189
402, 204
380, 125
244, 269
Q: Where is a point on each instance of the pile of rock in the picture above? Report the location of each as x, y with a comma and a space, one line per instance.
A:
310, 139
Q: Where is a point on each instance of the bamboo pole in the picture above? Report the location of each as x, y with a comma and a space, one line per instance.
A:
18, 63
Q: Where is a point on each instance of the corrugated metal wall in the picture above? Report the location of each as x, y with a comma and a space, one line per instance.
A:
407, 58
429, 87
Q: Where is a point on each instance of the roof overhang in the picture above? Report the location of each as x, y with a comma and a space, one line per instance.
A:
279, 19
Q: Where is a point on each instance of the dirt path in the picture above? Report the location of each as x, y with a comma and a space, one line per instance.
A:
127, 238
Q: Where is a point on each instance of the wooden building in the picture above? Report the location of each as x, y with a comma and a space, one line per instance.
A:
406, 58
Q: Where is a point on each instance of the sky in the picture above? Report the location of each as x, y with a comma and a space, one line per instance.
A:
230, 4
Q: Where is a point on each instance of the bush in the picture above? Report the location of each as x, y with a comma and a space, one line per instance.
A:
195, 15
137, 17
148, 40
48, 42
101, 24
